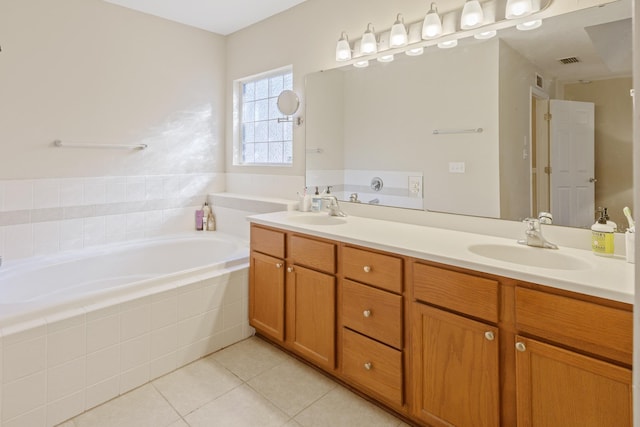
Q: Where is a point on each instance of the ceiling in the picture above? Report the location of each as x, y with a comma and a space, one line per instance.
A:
218, 16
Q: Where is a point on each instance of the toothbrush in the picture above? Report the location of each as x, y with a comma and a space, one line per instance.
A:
632, 225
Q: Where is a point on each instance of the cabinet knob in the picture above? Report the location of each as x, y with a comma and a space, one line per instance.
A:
366, 268
290, 269
489, 335
278, 265
368, 366
520, 346
366, 313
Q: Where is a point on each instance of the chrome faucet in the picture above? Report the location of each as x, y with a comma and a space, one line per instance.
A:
534, 235
334, 208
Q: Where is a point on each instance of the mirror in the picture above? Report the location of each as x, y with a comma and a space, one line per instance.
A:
463, 130
288, 102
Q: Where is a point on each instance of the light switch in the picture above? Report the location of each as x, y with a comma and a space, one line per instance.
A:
456, 167
415, 186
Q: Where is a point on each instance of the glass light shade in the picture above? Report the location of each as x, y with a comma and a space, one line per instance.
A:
369, 44
432, 25
518, 8
416, 51
399, 35
386, 58
448, 44
361, 64
529, 25
472, 15
343, 49
485, 35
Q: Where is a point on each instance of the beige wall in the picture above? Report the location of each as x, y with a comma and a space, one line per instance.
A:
89, 71
613, 141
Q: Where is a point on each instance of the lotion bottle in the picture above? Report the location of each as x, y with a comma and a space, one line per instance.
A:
602, 237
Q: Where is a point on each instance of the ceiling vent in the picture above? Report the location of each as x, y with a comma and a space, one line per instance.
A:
569, 60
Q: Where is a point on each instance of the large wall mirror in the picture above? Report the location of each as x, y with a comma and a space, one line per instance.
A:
525, 122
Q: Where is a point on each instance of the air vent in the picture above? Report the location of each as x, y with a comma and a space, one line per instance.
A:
569, 60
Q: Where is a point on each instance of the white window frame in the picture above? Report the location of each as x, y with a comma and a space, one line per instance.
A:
260, 139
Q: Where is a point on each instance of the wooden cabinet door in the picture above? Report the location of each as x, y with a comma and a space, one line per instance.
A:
455, 369
311, 315
266, 295
558, 387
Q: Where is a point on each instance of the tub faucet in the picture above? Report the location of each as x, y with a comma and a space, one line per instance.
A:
334, 207
534, 235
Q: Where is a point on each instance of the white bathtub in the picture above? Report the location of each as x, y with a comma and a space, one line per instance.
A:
80, 328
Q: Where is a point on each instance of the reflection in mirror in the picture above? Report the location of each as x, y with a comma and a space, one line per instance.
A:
411, 122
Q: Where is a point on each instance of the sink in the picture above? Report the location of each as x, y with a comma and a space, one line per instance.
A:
529, 256
320, 219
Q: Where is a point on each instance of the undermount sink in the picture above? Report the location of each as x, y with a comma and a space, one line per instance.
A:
319, 219
530, 256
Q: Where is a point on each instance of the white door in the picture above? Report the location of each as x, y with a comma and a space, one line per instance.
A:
572, 162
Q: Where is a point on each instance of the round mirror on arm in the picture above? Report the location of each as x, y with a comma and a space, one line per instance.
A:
288, 102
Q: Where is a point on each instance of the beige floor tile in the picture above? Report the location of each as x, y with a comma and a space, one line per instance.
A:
241, 407
143, 407
69, 423
196, 384
292, 423
341, 408
250, 357
179, 423
292, 386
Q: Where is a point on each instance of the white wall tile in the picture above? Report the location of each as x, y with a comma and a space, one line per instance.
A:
164, 312
172, 186
65, 379
153, 220
99, 393
46, 237
71, 192
24, 358
23, 395
232, 315
191, 303
135, 322
35, 418
162, 365
116, 225
102, 365
18, 195
154, 187
116, 189
2, 186
18, 241
65, 408
134, 352
46, 193
95, 191
66, 345
103, 332
180, 219
94, 231
71, 234
135, 222
136, 188
163, 341
134, 378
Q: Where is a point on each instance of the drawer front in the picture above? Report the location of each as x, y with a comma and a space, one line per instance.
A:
313, 253
464, 293
382, 271
587, 326
372, 365
372, 312
267, 241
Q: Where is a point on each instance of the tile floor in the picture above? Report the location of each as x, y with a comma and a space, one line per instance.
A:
251, 383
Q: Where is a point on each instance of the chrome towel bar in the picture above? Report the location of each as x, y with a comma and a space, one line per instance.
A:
59, 143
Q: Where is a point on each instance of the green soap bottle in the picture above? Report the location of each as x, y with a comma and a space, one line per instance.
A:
602, 237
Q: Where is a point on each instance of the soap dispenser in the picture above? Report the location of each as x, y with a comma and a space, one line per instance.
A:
602, 236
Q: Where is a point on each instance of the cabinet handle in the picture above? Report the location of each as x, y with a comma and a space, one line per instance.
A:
290, 269
367, 268
368, 366
366, 313
278, 265
489, 335
520, 346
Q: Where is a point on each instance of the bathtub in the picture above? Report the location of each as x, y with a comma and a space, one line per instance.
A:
79, 328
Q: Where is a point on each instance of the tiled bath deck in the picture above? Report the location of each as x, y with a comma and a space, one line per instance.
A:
251, 383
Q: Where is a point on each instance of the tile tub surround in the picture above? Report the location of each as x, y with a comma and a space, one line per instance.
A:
58, 367
42, 216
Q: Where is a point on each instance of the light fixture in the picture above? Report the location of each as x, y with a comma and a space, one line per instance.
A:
343, 49
448, 44
529, 25
416, 51
518, 8
361, 64
369, 44
399, 35
484, 35
472, 15
386, 58
432, 25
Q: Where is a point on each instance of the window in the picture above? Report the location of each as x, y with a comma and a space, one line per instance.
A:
263, 139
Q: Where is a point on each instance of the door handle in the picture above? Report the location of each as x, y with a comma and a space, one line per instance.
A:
594, 180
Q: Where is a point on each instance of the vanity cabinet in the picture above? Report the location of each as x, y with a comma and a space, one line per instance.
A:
573, 361
456, 370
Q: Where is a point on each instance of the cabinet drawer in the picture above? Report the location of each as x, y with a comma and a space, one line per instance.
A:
382, 271
373, 312
313, 253
464, 293
372, 365
267, 241
601, 330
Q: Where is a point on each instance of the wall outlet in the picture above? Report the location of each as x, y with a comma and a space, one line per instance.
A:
415, 186
456, 167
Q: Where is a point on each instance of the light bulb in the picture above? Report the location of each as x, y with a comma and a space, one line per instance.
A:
369, 44
448, 44
343, 49
485, 35
472, 15
432, 25
518, 8
416, 51
361, 64
529, 25
386, 58
398, 36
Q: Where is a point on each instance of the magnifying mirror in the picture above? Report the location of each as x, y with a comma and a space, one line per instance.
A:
288, 102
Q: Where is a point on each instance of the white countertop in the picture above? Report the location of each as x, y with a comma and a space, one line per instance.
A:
605, 277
